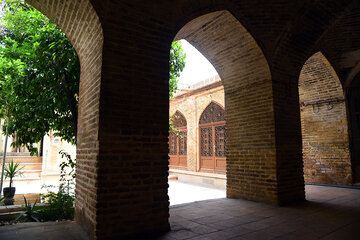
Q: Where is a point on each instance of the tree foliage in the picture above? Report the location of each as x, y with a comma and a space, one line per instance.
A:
39, 80
40, 72
177, 64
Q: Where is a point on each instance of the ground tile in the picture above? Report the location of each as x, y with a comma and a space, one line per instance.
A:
182, 234
219, 235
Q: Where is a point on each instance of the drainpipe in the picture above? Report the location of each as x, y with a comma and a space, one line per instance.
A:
4, 157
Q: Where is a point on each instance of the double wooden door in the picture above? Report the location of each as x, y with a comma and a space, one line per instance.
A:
212, 147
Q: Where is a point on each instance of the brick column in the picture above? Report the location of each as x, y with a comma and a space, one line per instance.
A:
133, 135
290, 175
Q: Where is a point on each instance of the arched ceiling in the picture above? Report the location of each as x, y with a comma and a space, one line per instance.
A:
221, 38
341, 45
285, 30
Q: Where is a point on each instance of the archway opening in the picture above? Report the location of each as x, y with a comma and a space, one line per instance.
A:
248, 100
39, 92
326, 154
76, 20
199, 84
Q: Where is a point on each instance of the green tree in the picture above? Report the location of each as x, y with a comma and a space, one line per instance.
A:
176, 65
40, 72
39, 80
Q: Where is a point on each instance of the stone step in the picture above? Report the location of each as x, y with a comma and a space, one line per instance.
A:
28, 174
31, 166
9, 216
22, 179
15, 154
30, 198
23, 159
172, 177
9, 213
26, 186
19, 200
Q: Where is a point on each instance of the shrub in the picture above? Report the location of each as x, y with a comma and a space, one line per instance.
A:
61, 206
61, 203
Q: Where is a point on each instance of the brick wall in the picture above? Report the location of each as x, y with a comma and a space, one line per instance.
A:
79, 21
324, 124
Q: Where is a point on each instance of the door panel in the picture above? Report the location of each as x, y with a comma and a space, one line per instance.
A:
178, 149
206, 148
212, 148
220, 164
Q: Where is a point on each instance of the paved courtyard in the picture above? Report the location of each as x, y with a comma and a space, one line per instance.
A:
330, 213
180, 193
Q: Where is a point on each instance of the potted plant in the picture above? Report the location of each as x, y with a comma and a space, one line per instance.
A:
11, 170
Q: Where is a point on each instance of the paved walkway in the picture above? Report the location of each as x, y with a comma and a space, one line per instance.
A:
330, 213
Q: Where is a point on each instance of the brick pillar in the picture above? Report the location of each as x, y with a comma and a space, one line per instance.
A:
133, 135
290, 175
79, 21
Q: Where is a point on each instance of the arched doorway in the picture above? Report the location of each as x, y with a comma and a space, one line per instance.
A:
178, 142
212, 139
324, 127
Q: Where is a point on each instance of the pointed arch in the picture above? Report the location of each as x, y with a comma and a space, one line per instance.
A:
247, 82
213, 113
179, 120
81, 24
316, 72
324, 127
212, 135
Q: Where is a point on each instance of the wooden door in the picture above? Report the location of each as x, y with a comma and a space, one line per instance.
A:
178, 149
212, 148
178, 142
212, 138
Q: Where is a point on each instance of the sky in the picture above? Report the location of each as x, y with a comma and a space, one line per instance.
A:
197, 67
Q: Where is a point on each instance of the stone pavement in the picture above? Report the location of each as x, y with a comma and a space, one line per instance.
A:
330, 213
180, 193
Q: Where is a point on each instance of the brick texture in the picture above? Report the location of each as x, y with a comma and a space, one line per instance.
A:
251, 158
258, 50
324, 124
79, 21
323, 117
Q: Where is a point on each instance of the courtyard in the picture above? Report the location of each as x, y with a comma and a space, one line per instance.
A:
328, 213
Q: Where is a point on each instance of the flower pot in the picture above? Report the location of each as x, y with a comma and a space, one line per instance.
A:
9, 192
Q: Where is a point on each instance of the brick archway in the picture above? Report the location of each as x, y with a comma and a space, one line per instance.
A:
326, 154
79, 21
246, 76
